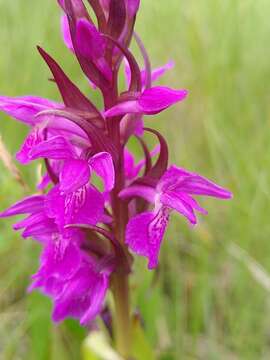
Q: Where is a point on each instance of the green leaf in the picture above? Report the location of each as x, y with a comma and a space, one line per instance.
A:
141, 349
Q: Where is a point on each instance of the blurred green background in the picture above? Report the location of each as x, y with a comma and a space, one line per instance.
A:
210, 298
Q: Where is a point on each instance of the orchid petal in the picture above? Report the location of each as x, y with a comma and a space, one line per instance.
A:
159, 98
174, 201
28, 205
60, 258
89, 41
184, 181
126, 107
32, 139
66, 33
132, 7
91, 45
75, 173
25, 108
198, 185
155, 75
146, 192
83, 297
102, 164
97, 299
57, 148
145, 232
84, 206
44, 182
158, 72
151, 101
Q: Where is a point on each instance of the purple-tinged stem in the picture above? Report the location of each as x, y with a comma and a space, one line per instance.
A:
120, 279
121, 319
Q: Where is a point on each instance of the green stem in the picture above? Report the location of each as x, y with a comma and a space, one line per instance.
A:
122, 314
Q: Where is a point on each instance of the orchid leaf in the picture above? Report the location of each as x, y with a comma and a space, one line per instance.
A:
141, 348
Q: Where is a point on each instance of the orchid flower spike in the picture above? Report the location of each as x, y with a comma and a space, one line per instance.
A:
99, 204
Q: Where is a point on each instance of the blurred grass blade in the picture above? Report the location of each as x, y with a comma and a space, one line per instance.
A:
10, 166
256, 269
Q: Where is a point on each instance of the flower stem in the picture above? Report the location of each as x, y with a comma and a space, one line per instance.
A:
121, 323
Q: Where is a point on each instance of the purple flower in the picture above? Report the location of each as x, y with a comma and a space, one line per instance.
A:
150, 102
174, 191
76, 282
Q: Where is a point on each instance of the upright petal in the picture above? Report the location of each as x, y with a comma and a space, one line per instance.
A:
75, 174
158, 72
89, 41
91, 45
102, 164
132, 7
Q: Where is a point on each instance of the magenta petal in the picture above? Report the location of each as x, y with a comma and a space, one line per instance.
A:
39, 229
32, 139
28, 205
184, 181
132, 7
174, 201
84, 206
145, 232
89, 41
91, 46
102, 164
60, 258
83, 296
129, 164
75, 173
156, 99
158, 72
54, 205
97, 299
172, 177
152, 101
198, 185
44, 182
57, 148
127, 107
26, 108
137, 233
146, 192
66, 32
32, 219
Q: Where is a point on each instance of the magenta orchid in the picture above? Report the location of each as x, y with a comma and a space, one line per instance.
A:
87, 229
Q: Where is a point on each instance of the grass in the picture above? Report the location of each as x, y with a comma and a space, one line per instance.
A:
206, 303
